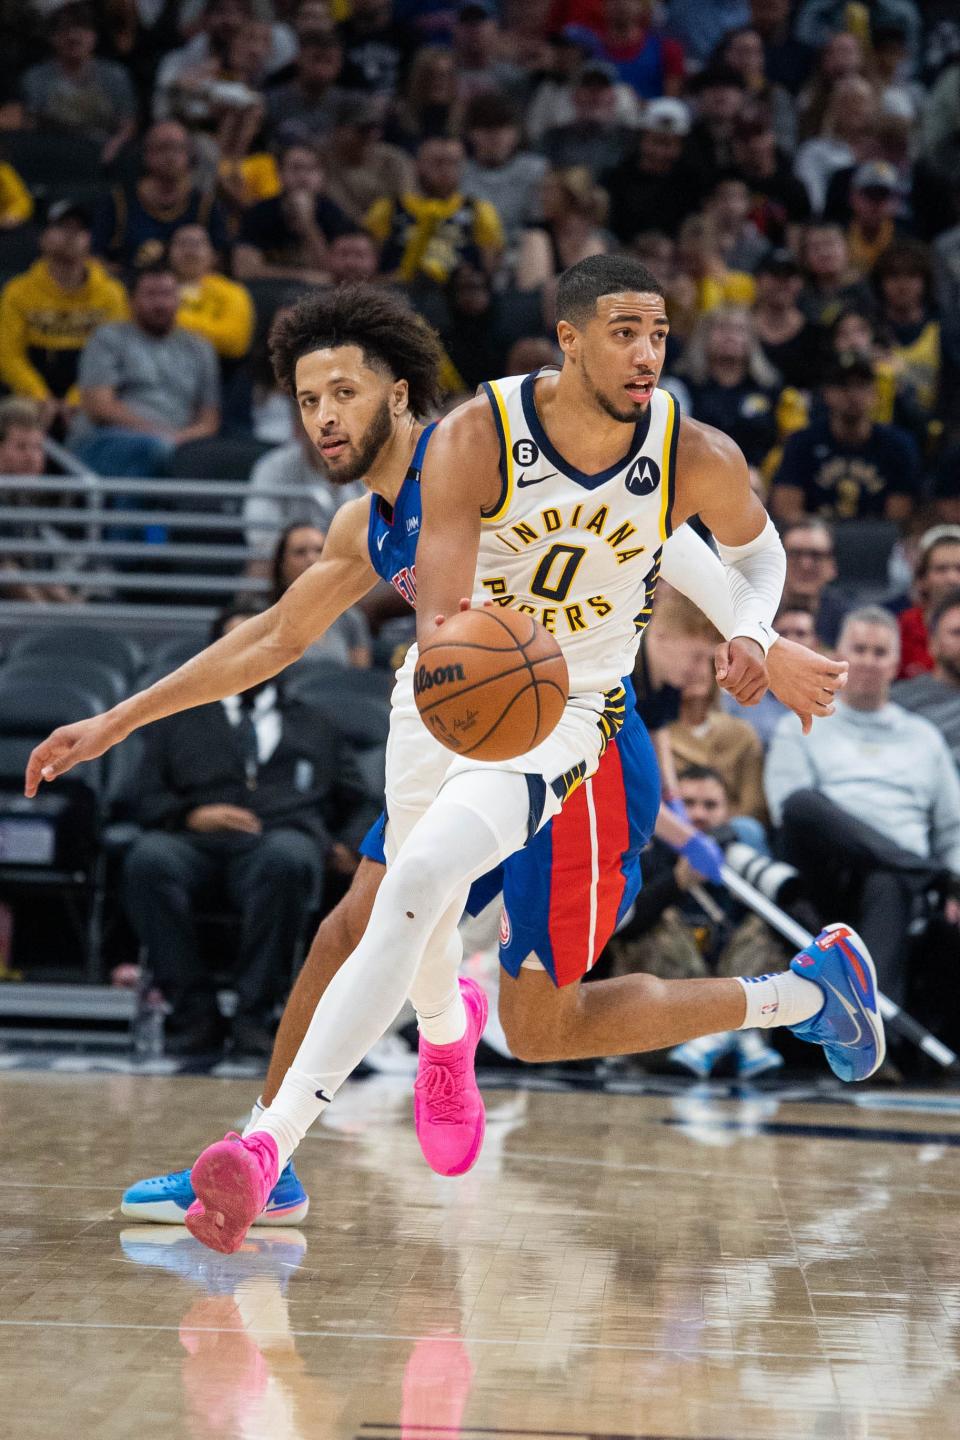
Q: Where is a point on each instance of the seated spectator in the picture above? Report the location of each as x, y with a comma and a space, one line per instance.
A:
845, 138
698, 258
654, 184
705, 735
352, 257
296, 466
573, 208
903, 276
21, 454
811, 575
738, 241
946, 265
855, 329
146, 385
552, 104
16, 202
871, 760
787, 338
480, 328
244, 798
374, 46
347, 641
936, 575
718, 95
287, 238
76, 91
594, 136
779, 198
135, 224
874, 203
846, 466
210, 305
742, 51
208, 52
817, 22
648, 61
788, 61
429, 231
936, 696
793, 621
498, 171
428, 104
841, 56
478, 58
671, 934
307, 102
830, 280
361, 167
888, 141
48, 314
702, 30
731, 384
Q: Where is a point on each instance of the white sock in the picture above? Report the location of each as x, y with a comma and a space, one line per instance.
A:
785, 999
254, 1122
447, 1025
435, 993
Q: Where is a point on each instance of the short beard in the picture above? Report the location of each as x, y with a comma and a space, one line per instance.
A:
951, 668
371, 442
628, 417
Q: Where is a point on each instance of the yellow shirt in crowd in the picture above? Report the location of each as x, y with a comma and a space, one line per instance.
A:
221, 311
16, 202
44, 327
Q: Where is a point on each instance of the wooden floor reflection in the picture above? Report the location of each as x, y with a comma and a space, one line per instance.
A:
615, 1266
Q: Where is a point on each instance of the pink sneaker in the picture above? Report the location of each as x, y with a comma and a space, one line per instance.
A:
231, 1181
447, 1108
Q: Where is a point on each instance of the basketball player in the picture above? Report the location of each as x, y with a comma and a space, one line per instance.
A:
611, 325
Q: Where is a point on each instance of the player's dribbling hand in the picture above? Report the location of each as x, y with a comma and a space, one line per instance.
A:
741, 669
69, 745
465, 604
804, 681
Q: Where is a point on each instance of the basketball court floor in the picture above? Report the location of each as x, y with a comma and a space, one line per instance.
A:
692, 1263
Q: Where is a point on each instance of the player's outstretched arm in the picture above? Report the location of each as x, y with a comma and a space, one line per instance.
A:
460, 480
256, 650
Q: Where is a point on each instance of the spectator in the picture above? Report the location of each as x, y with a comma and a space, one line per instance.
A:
313, 499
936, 696
210, 305
831, 281
701, 29
429, 105
788, 339
48, 314
698, 259
855, 329
903, 276
817, 21
649, 62
788, 61
76, 91
594, 137
888, 141
352, 257
21, 455
373, 45
208, 52
845, 137
779, 198
654, 184
718, 95
428, 232
303, 107
941, 121
361, 167
738, 241
133, 227
287, 238
498, 171
872, 759
937, 574
481, 327
146, 385
552, 104
731, 384
242, 796
874, 202
573, 209
347, 641
811, 576
846, 466
477, 55
841, 57
671, 934
705, 735
16, 202
743, 52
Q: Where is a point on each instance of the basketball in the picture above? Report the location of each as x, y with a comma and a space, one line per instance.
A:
492, 685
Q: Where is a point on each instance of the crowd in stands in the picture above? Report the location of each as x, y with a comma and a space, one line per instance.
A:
789, 169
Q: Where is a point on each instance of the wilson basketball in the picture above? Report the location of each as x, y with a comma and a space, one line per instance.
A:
492, 685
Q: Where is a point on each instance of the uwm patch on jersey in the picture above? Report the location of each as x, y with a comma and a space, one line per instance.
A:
579, 551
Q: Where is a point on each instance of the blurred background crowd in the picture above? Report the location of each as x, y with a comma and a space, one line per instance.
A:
173, 172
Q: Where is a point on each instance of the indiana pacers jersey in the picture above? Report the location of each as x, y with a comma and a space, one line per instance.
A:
579, 552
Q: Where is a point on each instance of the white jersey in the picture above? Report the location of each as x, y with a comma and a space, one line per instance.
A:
579, 552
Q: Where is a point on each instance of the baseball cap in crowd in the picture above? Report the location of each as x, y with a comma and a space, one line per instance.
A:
59, 210
875, 175
598, 72
849, 368
778, 262
666, 116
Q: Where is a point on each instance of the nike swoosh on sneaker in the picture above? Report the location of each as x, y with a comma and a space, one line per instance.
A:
853, 1016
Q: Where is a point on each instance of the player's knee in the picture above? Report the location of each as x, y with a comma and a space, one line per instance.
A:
533, 1036
416, 886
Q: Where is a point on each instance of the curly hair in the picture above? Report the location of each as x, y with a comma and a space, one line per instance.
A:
391, 335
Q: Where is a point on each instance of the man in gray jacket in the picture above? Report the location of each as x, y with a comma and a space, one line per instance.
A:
869, 804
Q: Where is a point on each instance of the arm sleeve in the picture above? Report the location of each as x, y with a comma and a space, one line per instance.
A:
787, 767
691, 566
755, 573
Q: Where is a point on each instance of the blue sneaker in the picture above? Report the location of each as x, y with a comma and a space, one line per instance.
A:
849, 1025
165, 1199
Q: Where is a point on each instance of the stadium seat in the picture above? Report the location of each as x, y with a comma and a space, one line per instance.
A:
862, 549
45, 159
216, 459
108, 684
107, 647
268, 297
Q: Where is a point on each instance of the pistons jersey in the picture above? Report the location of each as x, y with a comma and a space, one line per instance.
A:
579, 552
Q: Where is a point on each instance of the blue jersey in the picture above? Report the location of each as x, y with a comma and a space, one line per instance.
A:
393, 530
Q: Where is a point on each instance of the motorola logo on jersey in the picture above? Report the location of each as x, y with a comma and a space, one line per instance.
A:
643, 477
525, 453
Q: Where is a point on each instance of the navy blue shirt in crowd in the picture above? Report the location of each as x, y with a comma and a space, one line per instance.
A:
745, 412
849, 482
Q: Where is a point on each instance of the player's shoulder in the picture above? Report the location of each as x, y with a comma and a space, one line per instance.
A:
702, 449
469, 423
348, 529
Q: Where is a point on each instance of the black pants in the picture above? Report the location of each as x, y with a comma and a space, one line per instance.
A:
855, 873
273, 880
